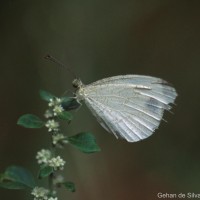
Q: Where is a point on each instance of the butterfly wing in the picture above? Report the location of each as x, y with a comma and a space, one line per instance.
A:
130, 106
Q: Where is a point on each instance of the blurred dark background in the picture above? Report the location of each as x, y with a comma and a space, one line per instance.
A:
100, 39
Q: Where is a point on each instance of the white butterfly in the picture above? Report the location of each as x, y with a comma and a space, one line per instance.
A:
129, 106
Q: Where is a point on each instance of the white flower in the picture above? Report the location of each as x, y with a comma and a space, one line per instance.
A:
57, 109
58, 101
43, 156
40, 193
48, 113
52, 125
58, 137
57, 163
53, 102
53, 198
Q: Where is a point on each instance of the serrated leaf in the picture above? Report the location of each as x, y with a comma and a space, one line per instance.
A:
45, 171
30, 121
85, 142
65, 116
16, 177
69, 103
46, 95
69, 186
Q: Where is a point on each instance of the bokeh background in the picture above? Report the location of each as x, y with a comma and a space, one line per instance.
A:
99, 39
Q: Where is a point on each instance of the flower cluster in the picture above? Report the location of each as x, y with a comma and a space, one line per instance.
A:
52, 125
54, 110
57, 110
57, 163
41, 193
48, 114
55, 104
54, 101
59, 138
53, 198
43, 156
52, 114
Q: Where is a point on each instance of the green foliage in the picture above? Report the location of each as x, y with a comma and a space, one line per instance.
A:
46, 96
45, 171
69, 103
69, 186
30, 121
85, 142
16, 177
65, 116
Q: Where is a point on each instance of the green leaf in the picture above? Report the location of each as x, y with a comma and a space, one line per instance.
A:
12, 185
70, 186
16, 177
65, 116
46, 95
30, 121
85, 142
69, 103
45, 171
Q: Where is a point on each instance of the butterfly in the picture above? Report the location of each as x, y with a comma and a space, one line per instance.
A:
129, 106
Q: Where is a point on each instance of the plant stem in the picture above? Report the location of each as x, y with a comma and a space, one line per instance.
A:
51, 176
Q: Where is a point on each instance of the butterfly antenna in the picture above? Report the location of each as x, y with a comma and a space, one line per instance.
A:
51, 58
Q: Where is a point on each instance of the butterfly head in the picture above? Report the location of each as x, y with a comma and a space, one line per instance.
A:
77, 83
